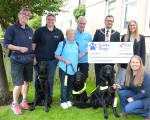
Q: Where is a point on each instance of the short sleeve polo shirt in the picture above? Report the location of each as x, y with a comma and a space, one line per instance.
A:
83, 38
69, 52
46, 42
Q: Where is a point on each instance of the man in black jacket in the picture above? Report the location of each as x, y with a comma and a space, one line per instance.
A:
45, 42
106, 34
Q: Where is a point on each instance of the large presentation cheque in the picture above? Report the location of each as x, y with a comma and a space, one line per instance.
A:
110, 52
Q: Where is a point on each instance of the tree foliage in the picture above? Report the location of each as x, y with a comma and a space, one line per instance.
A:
35, 22
79, 11
10, 8
1, 32
8, 15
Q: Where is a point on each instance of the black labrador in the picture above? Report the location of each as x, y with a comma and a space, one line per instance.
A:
104, 94
42, 88
79, 94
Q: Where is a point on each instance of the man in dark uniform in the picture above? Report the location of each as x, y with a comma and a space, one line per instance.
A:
106, 34
45, 42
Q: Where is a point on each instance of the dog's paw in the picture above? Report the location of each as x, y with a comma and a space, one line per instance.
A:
106, 118
46, 109
117, 115
32, 108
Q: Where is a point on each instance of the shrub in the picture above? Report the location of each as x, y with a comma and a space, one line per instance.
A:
79, 11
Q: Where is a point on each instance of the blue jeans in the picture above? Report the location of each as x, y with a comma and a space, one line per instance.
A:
135, 107
51, 74
121, 76
65, 90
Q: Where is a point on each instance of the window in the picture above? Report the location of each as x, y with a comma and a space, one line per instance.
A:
147, 27
130, 11
148, 12
111, 7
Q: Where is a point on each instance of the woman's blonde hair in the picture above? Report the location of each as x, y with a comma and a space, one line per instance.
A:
25, 9
137, 35
138, 76
69, 30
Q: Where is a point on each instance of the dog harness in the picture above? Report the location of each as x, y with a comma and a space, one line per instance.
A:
103, 88
80, 91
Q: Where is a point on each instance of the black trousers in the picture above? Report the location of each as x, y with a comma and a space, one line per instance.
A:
84, 68
97, 72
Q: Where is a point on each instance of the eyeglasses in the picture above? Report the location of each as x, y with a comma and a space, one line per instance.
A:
81, 23
26, 14
109, 20
132, 25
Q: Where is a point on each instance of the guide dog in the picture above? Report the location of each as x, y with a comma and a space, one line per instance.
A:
104, 94
42, 88
79, 93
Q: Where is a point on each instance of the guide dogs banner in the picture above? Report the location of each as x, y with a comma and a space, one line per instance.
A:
110, 52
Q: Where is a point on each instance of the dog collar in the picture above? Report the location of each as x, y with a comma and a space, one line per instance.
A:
80, 91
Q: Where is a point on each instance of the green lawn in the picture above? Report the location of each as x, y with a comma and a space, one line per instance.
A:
57, 113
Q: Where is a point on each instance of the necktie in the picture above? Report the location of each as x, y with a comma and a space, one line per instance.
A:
107, 36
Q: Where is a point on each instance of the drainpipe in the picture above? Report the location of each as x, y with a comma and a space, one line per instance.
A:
106, 7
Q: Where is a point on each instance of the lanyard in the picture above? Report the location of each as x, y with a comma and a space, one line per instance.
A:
71, 67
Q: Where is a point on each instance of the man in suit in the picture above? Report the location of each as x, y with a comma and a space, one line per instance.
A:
106, 34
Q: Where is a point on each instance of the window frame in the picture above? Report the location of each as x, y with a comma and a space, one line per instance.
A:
111, 7
127, 3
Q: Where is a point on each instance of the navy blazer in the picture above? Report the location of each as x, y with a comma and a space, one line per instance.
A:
99, 36
138, 49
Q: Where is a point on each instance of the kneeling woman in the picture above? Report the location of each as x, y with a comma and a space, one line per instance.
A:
67, 54
135, 95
